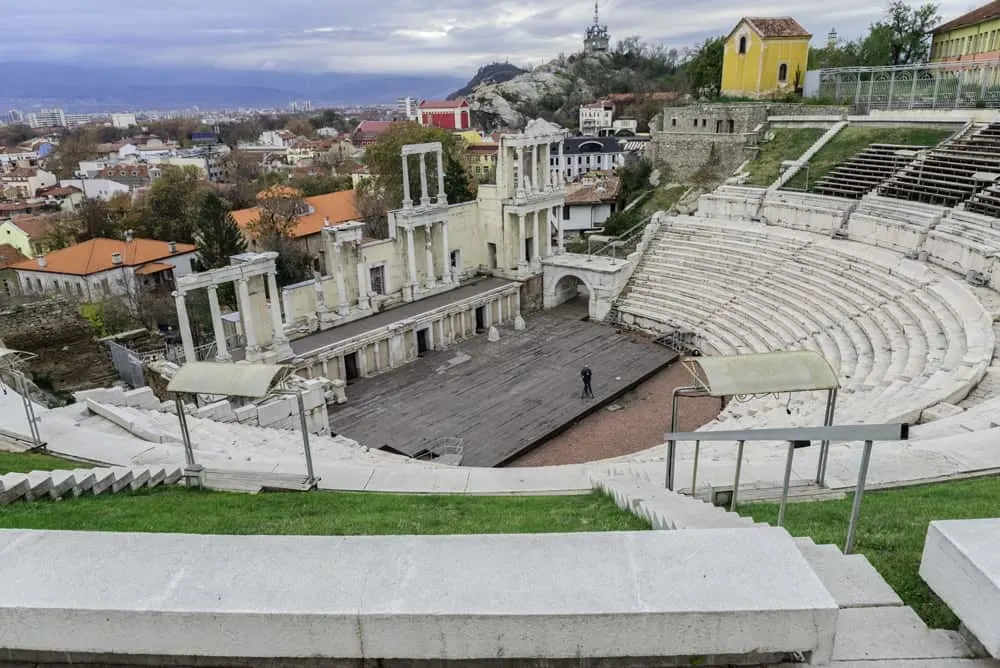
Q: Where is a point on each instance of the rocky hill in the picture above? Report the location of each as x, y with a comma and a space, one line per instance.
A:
556, 90
494, 73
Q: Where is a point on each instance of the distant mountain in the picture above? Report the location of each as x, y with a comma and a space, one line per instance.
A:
105, 88
493, 73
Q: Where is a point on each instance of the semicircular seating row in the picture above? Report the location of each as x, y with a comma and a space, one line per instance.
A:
901, 336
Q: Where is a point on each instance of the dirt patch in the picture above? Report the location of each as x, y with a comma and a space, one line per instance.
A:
635, 421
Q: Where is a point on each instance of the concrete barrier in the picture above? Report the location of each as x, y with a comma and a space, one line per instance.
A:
748, 595
961, 563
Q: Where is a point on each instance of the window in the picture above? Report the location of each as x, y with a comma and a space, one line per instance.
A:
732, 126
377, 276
783, 73
695, 121
704, 122
673, 122
79, 289
565, 211
743, 45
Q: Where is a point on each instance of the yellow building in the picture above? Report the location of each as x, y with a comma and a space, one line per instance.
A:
765, 57
972, 36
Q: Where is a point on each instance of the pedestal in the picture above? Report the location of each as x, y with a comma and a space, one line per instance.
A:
494, 335
407, 293
519, 323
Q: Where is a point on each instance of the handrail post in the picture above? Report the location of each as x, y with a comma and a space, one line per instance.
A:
305, 437
694, 470
736, 480
786, 483
824, 447
859, 491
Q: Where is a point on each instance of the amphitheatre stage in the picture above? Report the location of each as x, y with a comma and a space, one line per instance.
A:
500, 398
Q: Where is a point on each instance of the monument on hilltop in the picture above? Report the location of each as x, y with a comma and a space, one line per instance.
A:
596, 38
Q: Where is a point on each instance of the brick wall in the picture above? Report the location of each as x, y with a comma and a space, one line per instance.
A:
68, 352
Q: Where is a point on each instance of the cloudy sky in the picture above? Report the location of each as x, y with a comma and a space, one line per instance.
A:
397, 36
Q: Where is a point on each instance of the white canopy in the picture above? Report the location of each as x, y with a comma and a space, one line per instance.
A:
762, 373
253, 381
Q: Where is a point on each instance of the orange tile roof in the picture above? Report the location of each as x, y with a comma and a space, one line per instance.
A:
94, 256
153, 268
990, 10
35, 227
339, 207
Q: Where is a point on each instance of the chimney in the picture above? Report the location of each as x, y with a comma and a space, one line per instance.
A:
116, 259
326, 221
42, 262
128, 236
172, 247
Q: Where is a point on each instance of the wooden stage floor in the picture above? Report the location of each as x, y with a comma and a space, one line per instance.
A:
500, 398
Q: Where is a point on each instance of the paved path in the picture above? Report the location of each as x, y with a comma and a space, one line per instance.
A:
500, 398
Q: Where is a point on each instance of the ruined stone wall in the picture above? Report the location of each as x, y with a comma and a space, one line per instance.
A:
69, 355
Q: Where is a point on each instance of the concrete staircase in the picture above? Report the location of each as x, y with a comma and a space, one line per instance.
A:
61, 484
874, 628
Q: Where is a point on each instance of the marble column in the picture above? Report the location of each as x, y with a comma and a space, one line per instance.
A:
279, 342
442, 196
445, 253
562, 166
535, 185
320, 297
560, 244
411, 258
246, 317
342, 307
364, 301
184, 325
429, 258
425, 197
522, 257
519, 151
407, 202
221, 349
536, 247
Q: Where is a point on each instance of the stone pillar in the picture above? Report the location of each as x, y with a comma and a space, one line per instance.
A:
519, 152
411, 263
518, 318
537, 246
425, 197
221, 350
522, 259
184, 325
445, 254
253, 348
342, 307
279, 342
560, 245
429, 258
442, 196
364, 301
535, 185
562, 166
407, 202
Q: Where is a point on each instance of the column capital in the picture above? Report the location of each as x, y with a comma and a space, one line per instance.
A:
179, 293
213, 287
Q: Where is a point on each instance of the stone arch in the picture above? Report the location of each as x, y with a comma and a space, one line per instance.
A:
566, 286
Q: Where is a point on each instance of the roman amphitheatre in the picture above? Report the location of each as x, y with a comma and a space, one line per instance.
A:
844, 302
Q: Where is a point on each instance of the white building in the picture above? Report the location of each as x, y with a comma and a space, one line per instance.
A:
103, 189
47, 118
591, 202
100, 268
123, 121
589, 154
596, 116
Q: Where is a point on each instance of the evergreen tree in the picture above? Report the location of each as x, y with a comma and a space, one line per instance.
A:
457, 186
218, 237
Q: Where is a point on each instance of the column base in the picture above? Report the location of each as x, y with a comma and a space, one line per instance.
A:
365, 304
224, 358
408, 293
343, 311
281, 350
253, 354
430, 285
519, 323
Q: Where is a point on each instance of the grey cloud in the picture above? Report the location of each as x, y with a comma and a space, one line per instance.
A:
406, 36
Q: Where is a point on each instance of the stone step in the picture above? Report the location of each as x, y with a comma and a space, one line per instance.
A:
870, 634
851, 579
64, 484
13, 486
40, 486
103, 480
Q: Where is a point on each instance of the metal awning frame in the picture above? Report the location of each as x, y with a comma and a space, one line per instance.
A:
759, 374
249, 381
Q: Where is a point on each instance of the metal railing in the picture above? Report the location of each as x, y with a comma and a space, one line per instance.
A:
797, 437
622, 244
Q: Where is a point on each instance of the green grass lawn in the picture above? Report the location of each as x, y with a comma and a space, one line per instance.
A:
852, 139
892, 530
662, 199
788, 144
24, 462
181, 510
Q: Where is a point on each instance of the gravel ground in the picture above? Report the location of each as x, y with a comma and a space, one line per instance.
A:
639, 422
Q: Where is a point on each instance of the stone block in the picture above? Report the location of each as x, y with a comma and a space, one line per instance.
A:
220, 411
961, 563
519, 596
494, 334
246, 414
142, 397
939, 411
274, 411
339, 392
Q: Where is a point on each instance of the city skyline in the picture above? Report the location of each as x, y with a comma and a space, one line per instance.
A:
450, 37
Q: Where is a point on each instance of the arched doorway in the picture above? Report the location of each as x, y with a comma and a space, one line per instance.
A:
570, 288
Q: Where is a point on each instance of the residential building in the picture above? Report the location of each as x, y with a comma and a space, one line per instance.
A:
25, 182
368, 132
483, 160
591, 201
29, 233
133, 175
102, 268
765, 57
972, 36
445, 114
47, 118
303, 150
328, 133
103, 189
313, 214
66, 198
581, 155
596, 116
17, 237
625, 125
123, 121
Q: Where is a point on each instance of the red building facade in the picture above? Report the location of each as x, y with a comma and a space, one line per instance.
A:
445, 114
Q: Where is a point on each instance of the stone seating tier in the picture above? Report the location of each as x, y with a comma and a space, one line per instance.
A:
863, 172
900, 336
